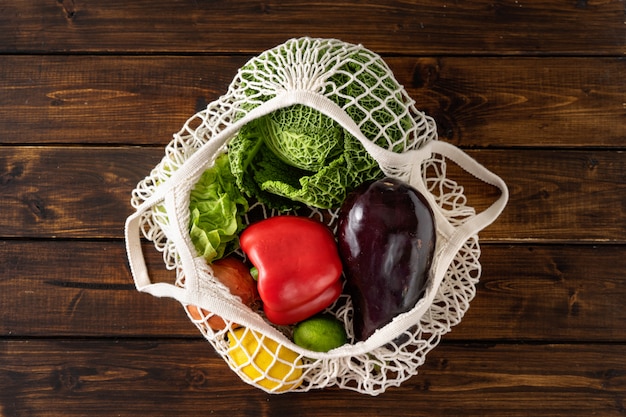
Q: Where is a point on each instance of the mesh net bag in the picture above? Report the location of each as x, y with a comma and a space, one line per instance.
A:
352, 93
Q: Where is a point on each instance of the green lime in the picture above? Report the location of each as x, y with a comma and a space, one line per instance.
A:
320, 333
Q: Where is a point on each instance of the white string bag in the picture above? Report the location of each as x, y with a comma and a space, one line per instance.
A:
353, 86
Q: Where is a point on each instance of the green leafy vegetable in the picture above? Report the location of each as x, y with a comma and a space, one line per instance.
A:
364, 86
216, 209
298, 155
302, 137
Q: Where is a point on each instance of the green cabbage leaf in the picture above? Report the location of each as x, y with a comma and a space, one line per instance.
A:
297, 155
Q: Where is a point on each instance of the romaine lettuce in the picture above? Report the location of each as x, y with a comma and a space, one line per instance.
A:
216, 211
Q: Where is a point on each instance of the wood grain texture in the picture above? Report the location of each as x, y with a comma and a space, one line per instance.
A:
549, 292
92, 91
508, 27
520, 102
476, 102
84, 192
532, 293
82, 288
70, 192
185, 378
561, 195
122, 100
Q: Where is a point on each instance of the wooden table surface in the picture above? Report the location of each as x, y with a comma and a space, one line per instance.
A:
92, 91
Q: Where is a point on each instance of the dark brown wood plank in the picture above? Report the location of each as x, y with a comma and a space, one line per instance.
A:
84, 192
91, 92
42, 378
72, 288
408, 27
518, 102
477, 102
574, 196
70, 192
532, 293
548, 293
96, 99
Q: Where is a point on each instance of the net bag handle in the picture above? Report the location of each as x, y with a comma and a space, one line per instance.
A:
471, 166
136, 260
166, 194
454, 236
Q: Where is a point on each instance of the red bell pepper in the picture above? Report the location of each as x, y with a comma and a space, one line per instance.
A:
298, 264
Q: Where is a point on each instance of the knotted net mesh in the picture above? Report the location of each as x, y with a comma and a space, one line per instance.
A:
360, 83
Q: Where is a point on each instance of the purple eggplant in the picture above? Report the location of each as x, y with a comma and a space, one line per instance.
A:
386, 238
